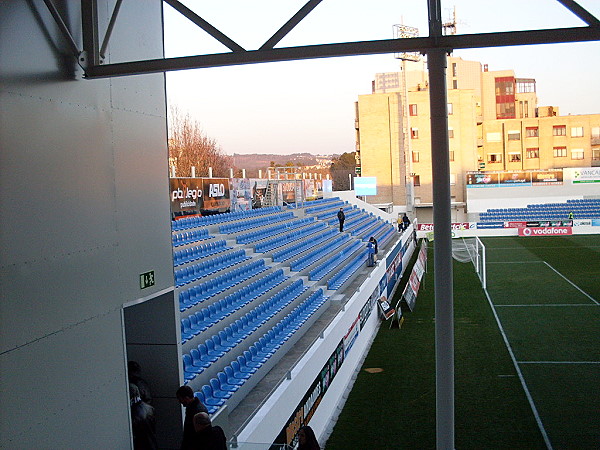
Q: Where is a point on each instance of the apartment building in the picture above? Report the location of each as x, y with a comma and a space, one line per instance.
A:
494, 123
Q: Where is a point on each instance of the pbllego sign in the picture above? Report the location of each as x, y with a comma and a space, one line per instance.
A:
545, 231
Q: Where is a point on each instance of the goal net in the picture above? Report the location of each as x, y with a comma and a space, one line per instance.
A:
471, 249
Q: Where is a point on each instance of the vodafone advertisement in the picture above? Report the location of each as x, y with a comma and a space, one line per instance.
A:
545, 231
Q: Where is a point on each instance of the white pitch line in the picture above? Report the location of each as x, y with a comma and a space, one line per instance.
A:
558, 362
573, 284
520, 374
542, 305
514, 262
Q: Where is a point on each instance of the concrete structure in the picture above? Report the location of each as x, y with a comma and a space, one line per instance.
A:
85, 163
494, 123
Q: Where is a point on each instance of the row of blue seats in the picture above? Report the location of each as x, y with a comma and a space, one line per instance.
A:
201, 292
190, 254
331, 215
194, 272
305, 244
267, 232
332, 263
290, 236
262, 221
203, 221
309, 258
229, 338
188, 237
370, 229
585, 200
316, 205
244, 366
320, 209
203, 319
336, 281
356, 226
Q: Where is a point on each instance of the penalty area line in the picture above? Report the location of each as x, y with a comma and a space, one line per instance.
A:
573, 284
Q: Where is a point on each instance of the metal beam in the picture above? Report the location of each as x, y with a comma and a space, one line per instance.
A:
418, 44
580, 12
111, 25
62, 27
290, 24
191, 15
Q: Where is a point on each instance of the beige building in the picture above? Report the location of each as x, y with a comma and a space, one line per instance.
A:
494, 123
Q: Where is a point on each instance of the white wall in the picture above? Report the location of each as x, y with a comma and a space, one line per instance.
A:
85, 210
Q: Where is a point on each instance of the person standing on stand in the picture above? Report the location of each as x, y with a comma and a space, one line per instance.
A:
341, 217
371, 253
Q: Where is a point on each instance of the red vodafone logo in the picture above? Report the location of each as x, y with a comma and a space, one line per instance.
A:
545, 231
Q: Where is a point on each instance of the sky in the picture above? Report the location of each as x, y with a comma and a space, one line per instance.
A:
308, 106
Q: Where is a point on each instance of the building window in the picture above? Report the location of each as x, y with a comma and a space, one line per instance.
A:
451, 155
532, 132
576, 131
452, 180
514, 157
514, 135
414, 133
596, 154
450, 132
560, 152
559, 130
525, 85
505, 110
494, 158
532, 153
577, 153
450, 109
454, 71
412, 110
415, 157
417, 180
454, 84
595, 132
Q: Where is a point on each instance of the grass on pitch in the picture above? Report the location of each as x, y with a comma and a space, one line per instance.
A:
544, 292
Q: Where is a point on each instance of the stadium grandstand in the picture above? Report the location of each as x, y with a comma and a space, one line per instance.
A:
266, 314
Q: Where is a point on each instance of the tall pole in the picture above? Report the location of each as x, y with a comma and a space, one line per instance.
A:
444, 308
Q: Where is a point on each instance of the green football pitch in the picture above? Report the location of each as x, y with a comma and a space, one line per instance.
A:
527, 356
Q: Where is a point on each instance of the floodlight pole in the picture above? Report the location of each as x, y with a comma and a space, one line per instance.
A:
444, 299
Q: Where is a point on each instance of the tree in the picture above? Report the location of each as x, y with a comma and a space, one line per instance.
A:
190, 146
341, 167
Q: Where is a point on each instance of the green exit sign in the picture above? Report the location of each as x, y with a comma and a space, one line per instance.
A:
146, 279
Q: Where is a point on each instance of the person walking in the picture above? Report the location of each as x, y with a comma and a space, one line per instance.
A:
341, 217
193, 406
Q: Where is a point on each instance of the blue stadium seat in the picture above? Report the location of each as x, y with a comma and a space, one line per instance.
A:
217, 391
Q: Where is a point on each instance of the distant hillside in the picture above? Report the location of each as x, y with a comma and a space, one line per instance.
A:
257, 161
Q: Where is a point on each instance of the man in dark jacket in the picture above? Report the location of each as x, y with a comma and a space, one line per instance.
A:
143, 423
341, 217
207, 436
193, 406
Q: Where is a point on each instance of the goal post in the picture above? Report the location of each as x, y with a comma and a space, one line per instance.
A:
473, 250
